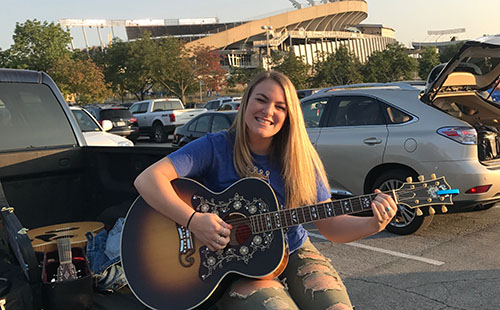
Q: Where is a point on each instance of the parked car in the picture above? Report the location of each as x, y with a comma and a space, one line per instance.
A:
211, 121
215, 104
158, 118
302, 93
376, 135
94, 134
124, 124
233, 105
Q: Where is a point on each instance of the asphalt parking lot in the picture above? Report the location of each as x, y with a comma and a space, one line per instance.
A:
453, 264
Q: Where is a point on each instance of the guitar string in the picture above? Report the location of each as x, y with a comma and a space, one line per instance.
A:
321, 206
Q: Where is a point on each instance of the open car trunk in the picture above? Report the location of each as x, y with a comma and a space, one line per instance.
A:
463, 88
488, 135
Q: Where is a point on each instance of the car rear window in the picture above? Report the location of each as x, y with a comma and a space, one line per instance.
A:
31, 117
115, 113
166, 105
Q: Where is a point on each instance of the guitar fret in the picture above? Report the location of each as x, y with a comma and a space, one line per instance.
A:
252, 224
277, 219
260, 226
262, 222
285, 217
314, 213
269, 224
365, 202
329, 210
304, 216
337, 206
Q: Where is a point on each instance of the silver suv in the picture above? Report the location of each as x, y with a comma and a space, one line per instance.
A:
376, 135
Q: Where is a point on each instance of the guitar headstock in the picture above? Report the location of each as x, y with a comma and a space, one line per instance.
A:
435, 191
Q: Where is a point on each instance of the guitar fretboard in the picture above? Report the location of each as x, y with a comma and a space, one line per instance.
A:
64, 250
292, 217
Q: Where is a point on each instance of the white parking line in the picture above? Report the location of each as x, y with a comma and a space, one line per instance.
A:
393, 253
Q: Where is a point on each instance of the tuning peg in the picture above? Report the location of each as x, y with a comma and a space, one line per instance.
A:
409, 179
419, 212
421, 178
431, 211
444, 209
433, 176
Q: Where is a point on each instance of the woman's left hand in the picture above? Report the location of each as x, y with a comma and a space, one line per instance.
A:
384, 208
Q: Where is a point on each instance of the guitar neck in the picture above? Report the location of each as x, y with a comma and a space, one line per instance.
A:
64, 250
307, 214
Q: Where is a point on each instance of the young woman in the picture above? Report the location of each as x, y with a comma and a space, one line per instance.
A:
269, 140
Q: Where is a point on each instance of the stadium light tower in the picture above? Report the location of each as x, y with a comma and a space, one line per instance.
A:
267, 29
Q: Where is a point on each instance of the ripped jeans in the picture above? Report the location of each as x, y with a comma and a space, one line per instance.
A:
308, 282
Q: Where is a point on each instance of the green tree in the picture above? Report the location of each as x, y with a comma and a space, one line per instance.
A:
113, 61
141, 65
80, 78
391, 64
180, 70
447, 52
176, 70
339, 68
37, 46
293, 67
129, 66
429, 58
242, 76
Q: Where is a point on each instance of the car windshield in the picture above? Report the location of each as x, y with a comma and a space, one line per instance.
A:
85, 122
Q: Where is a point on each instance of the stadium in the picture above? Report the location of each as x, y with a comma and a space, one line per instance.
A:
310, 30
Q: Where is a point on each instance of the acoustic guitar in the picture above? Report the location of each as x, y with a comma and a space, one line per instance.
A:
167, 267
44, 239
66, 270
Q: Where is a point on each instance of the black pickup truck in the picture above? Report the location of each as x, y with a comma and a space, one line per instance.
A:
49, 174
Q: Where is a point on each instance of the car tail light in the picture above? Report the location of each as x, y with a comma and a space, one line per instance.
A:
478, 189
172, 117
463, 135
133, 120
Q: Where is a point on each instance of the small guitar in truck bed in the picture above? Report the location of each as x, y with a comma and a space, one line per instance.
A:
44, 239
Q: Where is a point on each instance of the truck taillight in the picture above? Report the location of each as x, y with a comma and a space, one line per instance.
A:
172, 117
463, 135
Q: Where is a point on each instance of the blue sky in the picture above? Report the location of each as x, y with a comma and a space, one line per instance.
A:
410, 19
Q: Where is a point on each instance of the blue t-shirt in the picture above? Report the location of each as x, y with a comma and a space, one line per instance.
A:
209, 160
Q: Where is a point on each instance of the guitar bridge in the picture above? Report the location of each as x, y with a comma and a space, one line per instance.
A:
186, 246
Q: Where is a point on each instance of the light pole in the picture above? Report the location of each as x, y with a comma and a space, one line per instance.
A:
268, 58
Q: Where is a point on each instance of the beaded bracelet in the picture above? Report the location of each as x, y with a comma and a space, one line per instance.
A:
189, 221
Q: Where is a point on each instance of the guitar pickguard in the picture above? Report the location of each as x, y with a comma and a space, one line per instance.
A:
244, 243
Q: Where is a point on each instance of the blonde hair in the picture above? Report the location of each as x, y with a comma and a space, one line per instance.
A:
299, 162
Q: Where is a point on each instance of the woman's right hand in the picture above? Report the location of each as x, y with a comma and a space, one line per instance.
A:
210, 229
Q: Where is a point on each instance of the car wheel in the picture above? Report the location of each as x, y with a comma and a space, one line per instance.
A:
159, 134
406, 221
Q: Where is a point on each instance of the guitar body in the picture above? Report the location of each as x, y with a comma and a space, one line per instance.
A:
168, 268
44, 239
